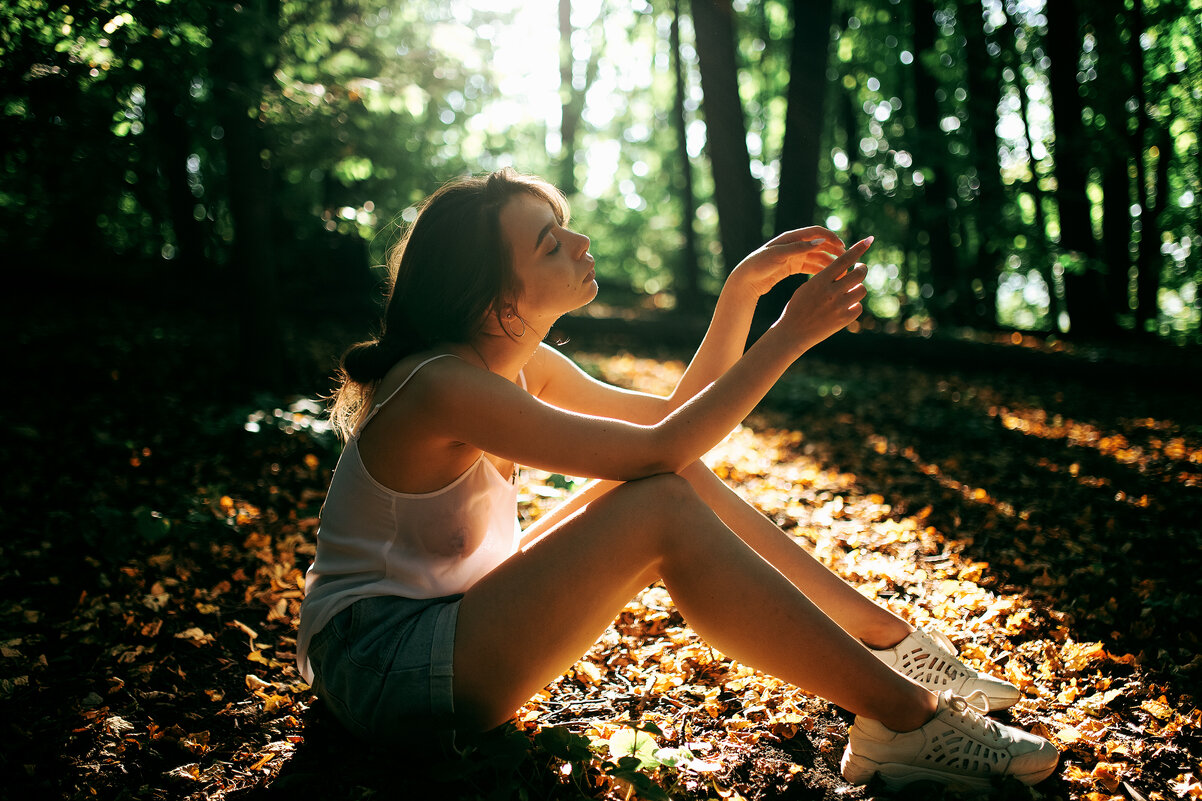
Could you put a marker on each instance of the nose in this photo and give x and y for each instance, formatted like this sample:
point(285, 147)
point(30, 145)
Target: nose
point(582, 244)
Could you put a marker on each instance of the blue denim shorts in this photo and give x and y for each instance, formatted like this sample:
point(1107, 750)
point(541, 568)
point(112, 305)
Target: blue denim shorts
point(384, 667)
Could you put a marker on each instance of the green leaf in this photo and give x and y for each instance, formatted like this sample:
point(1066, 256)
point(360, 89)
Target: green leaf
point(673, 757)
point(644, 785)
point(627, 743)
point(561, 743)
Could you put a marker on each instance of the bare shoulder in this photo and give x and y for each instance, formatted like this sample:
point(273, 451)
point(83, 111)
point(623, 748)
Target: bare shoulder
point(409, 445)
point(419, 374)
point(416, 394)
point(545, 366)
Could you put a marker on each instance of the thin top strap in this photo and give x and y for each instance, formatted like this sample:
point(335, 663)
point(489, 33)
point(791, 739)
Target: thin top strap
point(376, 407)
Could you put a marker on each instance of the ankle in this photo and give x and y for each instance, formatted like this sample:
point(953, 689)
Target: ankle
point(886, 634)
point(913, 715)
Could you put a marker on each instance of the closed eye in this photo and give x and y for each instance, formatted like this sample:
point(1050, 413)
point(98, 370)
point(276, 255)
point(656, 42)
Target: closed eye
point(555, 249)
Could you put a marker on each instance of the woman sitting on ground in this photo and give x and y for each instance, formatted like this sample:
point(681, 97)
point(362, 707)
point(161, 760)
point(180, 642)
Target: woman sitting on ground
point(428, 608)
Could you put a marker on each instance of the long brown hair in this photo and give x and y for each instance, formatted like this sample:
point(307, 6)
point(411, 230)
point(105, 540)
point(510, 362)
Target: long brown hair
point(450, 269)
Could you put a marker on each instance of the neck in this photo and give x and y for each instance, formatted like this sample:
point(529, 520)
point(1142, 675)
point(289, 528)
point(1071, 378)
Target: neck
point(502, 354)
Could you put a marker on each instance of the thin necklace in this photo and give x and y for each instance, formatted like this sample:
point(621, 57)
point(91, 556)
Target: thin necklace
point(481, 358)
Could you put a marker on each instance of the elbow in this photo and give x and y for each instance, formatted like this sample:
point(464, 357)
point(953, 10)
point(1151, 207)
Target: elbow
point(665, 454)
point(643, 468)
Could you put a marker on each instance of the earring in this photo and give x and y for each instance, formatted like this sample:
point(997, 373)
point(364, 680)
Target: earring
point(509, 316)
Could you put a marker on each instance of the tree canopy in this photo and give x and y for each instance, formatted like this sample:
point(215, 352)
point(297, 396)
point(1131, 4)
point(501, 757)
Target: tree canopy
point(1021, 165)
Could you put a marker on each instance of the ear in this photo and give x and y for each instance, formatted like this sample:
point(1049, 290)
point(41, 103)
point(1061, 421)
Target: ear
point(507, 309)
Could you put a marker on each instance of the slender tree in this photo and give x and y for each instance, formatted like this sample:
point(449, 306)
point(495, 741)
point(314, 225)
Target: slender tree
point(850, 120)
point(1148, 198)
point(933, 215)
point(1112, 150)
point(688, 274)
point(805, 125)
point(736, 192)
point(242, 61)
point(1084, 288)
point(990, 203)
point(801, 151)
point(170, 144)
point(572, 95)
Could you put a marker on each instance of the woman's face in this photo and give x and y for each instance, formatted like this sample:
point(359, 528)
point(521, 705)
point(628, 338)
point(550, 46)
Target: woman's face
point(552, 263)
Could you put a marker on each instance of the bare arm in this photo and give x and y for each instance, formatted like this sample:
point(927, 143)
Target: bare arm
point(492, 414)
point(805, 250)
point(574, 503)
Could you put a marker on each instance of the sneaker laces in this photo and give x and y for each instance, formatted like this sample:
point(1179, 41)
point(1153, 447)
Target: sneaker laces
point(968, 709)
point(978, 700)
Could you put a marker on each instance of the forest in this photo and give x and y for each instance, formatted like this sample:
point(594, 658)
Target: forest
point(196, 201)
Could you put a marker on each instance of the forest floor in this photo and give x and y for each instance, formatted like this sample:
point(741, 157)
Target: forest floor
point(1041, 510)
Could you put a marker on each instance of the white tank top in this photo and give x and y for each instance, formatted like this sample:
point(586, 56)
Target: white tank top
point(376, 541)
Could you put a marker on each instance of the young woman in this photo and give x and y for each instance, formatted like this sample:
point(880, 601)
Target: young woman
point(427, 609)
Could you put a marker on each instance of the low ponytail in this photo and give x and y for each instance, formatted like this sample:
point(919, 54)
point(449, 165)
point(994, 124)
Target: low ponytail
point(360, 370)
point(366, 362)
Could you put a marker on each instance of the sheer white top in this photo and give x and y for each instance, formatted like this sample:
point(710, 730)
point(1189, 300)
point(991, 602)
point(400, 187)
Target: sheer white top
point(376, 541)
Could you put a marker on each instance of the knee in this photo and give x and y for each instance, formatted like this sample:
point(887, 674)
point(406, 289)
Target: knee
point(662, 490)
point(664, 501)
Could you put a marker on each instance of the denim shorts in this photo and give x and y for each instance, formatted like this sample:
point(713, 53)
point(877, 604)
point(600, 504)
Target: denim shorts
point(383, 666)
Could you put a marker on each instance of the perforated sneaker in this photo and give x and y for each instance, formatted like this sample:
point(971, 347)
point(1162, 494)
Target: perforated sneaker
point(929, 658)
point(958, 747)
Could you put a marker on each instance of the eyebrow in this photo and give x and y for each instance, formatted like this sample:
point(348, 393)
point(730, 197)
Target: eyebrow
point(542, 234)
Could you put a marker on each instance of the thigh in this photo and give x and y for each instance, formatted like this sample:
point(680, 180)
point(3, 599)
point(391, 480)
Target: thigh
point(530, 619)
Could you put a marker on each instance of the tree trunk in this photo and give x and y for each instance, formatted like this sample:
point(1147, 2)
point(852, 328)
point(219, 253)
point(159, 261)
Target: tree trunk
point(243, 55)
point(172, 143)
point(934, 212)
point(1084, 288)
point(1150, 259)
point(688, 273)
point(801, 152)
point(1112, 148)
point(1147, 258)
point(797, 197)
point(850, 114)
point(571, 98)
point(984, 97)
point(736, 192)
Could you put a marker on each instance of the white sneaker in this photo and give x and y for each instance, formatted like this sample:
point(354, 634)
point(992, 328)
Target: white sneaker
point(929, 658)
point(958, 747)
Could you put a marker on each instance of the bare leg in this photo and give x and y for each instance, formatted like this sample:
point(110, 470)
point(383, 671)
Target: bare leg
point(875, 626)
point(530, 619)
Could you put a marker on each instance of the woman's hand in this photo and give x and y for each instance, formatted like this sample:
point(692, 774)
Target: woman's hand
point(827, 302)
point(801, 251)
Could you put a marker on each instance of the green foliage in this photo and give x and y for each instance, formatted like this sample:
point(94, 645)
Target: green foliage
point(119, 161)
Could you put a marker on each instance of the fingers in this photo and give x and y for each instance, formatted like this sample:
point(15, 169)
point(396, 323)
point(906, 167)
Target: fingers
point(857, 292)
point(812, 235)
point(854, 277)
point(802, 250)
point(846, 263)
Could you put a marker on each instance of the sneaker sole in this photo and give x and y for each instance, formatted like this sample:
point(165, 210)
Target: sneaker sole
point(860, 770)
